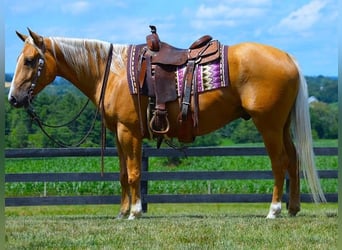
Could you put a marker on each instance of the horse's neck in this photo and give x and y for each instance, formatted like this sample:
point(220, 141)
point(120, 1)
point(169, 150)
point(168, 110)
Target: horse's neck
point(81, 62)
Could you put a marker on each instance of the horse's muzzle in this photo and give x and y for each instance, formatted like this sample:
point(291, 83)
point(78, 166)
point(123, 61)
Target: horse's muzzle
point(15, 102)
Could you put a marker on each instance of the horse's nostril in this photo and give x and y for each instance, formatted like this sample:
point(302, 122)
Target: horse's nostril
point(13, 100)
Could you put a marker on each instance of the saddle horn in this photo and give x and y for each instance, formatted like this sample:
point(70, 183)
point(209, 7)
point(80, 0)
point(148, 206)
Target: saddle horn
point(153, 29)
point(152, 40)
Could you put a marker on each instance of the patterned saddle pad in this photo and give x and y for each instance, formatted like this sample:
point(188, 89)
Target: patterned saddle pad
point(209, 76)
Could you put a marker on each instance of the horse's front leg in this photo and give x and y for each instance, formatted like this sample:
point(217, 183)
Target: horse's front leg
point(125, 192)
point(129, 149)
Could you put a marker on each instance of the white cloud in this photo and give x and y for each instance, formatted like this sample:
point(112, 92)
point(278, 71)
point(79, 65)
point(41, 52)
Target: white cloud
point(67, 6)
point(76, 8)
point(21, 8)
point(129, 31)
point(228, 13)
point(302, 19)
point(239, 2)
point(210, 12)
point(209, 24)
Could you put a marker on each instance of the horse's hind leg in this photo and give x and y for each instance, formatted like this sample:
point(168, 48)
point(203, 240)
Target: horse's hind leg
point(293, 172)
point(272, 133)
point(283, 158)
point(279, 160)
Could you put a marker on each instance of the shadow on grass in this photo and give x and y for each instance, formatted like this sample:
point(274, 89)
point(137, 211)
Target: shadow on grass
point(330, 214)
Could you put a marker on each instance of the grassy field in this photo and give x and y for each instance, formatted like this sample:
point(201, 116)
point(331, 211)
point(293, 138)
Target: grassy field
point(171, 226)
point(165, 226)
point(92, 164)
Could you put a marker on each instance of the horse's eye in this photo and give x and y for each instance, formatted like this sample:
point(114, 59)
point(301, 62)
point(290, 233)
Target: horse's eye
point(30, 62)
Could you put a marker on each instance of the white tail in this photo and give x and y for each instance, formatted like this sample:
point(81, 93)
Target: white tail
point(301, 129)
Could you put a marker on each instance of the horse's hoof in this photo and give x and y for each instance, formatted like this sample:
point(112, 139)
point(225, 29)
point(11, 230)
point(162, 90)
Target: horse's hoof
point(275, 210)
point(272, 215)
point(293, 211)
point(134, 216)
point(120, 216)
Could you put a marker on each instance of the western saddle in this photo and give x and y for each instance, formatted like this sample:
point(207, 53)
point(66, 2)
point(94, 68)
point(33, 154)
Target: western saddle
point(158, 62)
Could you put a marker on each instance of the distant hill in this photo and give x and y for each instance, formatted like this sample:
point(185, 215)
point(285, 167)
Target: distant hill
point(59, 86)
point(8, 77)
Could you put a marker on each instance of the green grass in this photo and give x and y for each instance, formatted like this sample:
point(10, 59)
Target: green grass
point(171, 226)
point(316, 143)
point(165, 226)
point(92, 164)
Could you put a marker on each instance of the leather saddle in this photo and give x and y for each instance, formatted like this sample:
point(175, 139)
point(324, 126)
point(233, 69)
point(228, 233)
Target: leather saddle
point(158, 62)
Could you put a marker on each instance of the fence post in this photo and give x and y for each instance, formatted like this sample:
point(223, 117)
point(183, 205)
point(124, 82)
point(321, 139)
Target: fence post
point(287, 188)
point(144, 183)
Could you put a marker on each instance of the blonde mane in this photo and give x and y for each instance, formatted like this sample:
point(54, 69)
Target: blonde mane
point(79, 52)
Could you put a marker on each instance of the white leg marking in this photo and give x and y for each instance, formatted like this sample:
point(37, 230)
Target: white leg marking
point(275, 210)
point(136, 210)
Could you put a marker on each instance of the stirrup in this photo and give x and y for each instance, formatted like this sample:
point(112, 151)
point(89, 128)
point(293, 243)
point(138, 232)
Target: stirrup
point(159, 123)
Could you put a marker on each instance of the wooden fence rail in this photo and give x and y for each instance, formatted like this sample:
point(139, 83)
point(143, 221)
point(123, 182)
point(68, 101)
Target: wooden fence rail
point(151, 176)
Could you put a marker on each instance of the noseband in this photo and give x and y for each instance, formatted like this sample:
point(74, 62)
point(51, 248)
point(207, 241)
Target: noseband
point(30, 110)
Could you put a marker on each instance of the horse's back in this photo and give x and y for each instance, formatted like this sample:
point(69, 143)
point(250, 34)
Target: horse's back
point(259, 60)
point(263, 76)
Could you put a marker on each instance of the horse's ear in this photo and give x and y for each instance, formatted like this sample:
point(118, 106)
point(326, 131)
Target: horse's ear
point(21, 36)
point(38, 40)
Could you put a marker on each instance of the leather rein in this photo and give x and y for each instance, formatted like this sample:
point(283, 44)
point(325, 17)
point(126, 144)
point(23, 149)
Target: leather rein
point(100, 108)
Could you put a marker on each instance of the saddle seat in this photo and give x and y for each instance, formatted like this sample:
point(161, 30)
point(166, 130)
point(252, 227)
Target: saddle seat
point(164, 53)
point(169, 55)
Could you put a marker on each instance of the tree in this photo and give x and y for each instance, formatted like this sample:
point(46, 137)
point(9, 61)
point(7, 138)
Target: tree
point(19, 133)
point(324, 120)
point(61, 101)
point(245, 132)
point(323, 88)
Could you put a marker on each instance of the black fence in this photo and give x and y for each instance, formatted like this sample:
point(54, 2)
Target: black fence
point(152, 176)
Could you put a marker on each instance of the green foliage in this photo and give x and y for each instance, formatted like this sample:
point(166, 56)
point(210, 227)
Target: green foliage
point(58, 104)
point(61, 101)
point(212, 139)
point(323, 88)
point(245, 132)
point(324, 120)
point(156, 164)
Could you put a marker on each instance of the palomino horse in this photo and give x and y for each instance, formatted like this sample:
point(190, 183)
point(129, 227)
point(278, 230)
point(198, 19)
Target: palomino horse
point(265, 84)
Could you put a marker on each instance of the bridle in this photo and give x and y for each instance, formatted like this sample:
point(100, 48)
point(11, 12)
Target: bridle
point(100, 106)
point(35, 117)
point(41, 63)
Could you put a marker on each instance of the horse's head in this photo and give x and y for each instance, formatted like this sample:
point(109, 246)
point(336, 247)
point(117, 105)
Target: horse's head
point(36, 67)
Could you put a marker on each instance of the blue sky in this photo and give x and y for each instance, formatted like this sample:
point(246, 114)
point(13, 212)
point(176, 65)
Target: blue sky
point(306, 29)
